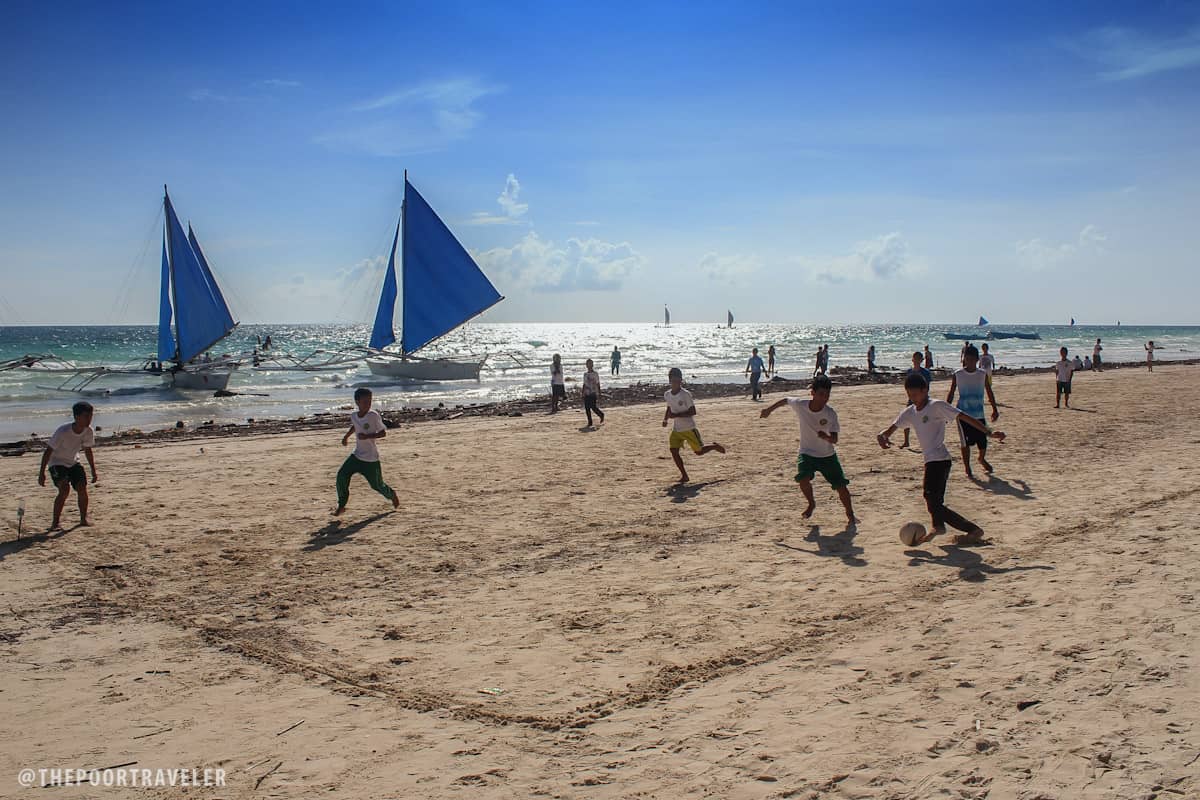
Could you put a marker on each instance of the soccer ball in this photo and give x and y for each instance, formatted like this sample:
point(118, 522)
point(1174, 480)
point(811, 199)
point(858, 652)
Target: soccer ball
point(911, 533)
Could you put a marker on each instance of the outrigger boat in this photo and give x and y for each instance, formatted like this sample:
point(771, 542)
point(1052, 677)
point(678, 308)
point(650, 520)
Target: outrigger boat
point(443, 288)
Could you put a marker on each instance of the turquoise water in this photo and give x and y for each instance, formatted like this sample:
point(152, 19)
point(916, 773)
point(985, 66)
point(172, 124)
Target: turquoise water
point(518, 363)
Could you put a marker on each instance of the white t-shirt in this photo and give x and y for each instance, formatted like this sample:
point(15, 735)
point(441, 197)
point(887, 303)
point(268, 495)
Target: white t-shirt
point(987, 363)
point(556, 376)
point(66, 444)
point(591, 382)
point(365, 449)
point(930, 425)
point(678, 403)
point(1063, 371)
point(1078, 362)
point(812, 423)
point(971, 392)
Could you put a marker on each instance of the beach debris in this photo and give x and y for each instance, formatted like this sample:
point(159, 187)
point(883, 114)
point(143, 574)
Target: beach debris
point(153, 733)
point(267, 775)
point(108, 566)
point(1024, 704)
point(494, 691)
point(290, 727)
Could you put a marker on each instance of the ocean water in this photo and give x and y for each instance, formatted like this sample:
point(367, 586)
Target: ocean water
point(519, 356)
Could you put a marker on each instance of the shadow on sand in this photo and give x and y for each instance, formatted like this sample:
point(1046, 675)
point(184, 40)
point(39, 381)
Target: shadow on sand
point(11, 548)
point(969, 563)
point(682, 492)
point(997, 485)
point(337, 532)
point(840, 545)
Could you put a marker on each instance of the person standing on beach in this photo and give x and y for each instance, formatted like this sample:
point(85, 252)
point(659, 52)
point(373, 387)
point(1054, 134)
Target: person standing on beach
point(614, 362)
point(1150, 348)
point(591, 393)
point(962, 354)
point(818, 439)
point(682, 409)
point(558, 384)
point(62, 456)
point(754, 368)
point(929, 418)
point(367, 426)
point(1064, 370)
point(928, 359)
point(971, 384)
point(987, 363)
point(770, 360)
point(871, 360)
point(917, 369)
point(1096, 356)
point(818, 367)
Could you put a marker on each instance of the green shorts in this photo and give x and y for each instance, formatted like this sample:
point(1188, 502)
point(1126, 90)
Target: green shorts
point(807, 466)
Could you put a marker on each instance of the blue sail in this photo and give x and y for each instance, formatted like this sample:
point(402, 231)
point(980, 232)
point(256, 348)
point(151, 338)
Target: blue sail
point(166, 340)
point(217, 298)
point(983, 321)
point(443, 286)
point(201, 316)
point(382, 334)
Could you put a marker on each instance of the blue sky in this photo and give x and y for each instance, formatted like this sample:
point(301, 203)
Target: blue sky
point(797, 162)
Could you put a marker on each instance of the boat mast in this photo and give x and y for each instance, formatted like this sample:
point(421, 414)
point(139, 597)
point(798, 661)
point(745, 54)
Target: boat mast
point(403, 260)
point(171, 267)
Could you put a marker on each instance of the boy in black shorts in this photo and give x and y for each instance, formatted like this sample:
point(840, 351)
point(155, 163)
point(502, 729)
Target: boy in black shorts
point(62, 455)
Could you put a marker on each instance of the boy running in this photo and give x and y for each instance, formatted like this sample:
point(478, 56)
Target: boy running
point(971, 383)
point(368, 426)
point(682, 409)
point(917, 369)
point(818, 436)
point(591, 393)
point(1064, 370)
point(929, 418)
point(62, 455)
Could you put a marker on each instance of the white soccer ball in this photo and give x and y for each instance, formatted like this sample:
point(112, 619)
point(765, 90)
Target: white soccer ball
point(911, 533)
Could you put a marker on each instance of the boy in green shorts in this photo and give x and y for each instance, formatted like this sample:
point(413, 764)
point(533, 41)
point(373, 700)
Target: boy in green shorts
point(682, 409)
point(368, 426)
point(818, 436)
point(62, 456)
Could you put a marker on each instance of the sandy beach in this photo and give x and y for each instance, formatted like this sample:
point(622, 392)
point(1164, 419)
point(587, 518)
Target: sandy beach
point(547, 616)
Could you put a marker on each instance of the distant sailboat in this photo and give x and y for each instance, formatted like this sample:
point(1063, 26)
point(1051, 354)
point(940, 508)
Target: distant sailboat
point(728, 319)
point(442, 288)
point(1072, 322)
point(983, 321)
point(666, 316)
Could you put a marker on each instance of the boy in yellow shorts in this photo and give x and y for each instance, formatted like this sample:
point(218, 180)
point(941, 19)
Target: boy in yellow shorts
point(682, 408)
point(818, 435)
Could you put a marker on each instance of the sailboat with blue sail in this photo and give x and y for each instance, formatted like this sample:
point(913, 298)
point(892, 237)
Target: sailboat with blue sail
point(440, 288)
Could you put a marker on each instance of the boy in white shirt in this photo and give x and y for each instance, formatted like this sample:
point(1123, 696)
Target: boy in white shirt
point(368, 426)
point(62, 455)
point(682, 408)
point(1064, 369)
point(987, 362)
point(972, 385)
point(591, 393)
point(929, 418)
point(818, 435)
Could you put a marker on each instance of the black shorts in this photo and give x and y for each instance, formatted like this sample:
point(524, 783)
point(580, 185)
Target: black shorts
point(558, 390)
point(1064, 387)
point(971, 436)
point(73, 474)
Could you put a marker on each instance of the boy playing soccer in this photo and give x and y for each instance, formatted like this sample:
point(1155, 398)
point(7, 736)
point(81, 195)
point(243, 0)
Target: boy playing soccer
point(682, 409)
point(368, 426)
point(62, 454)
point(591, 392)
point(929, 418)
point(972, 384)
point(818, 436)
point(1064, 370)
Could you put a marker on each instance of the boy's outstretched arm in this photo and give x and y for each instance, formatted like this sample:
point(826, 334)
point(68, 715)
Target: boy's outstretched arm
point(766, 412)
point(953, 387)
point(884, 437)
point(87, 451)
point(977, 425)
point(42, 470)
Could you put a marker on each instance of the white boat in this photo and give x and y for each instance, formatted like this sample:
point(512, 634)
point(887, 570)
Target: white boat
point(442, 288)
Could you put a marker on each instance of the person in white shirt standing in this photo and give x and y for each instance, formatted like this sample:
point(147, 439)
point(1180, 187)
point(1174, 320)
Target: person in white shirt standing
point(818, 437)
point(987, 363)
point(591, 393)
point(929, 419)
point(1096, 357)
point(62, 456)
point(682, 409)
point(972, 385)
point(1064, 370)
point(558, 384)
point(368, 427)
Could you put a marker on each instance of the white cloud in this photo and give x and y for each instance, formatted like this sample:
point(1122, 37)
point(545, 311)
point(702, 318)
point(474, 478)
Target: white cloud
point(579, 265)
point(881, 258)
point(512, 211)
point(1037, 254)
point(1127, 54)
point(419, 119)
point(727, 269)
point(276, 83)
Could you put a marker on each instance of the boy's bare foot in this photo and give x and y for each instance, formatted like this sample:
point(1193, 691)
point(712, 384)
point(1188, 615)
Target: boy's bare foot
point(935, 531)
point(969, 538)
point(905, 444)
point(682, 479)
point(808, 512)
point(337, 512)
point(986, 466)
point(55, 526)
point(395, 499)
point(1056, 405)
point(84, 522)
point(851, 519)
point(970, 475)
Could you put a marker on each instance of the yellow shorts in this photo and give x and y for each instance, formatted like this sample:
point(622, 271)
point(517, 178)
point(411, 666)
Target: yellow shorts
point(689, 437)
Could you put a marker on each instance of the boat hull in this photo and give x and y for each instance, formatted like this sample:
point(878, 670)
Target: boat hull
point(425, 370)
point(207, 380)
